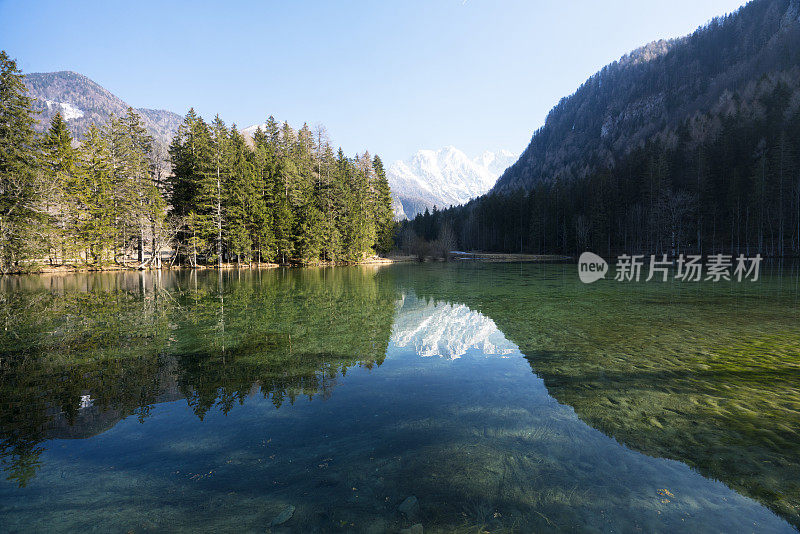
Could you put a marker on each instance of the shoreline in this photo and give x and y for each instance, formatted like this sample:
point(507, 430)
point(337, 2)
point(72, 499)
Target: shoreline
point(499, 257)
point(455, 257)
point(374, 260)
point(68, 269)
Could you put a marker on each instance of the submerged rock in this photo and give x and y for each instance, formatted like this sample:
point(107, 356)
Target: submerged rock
point(413, 529)
point(409, 507)
point(285, 515)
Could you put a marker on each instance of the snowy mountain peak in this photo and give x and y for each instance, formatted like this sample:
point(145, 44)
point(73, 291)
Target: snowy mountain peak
point(443, 178)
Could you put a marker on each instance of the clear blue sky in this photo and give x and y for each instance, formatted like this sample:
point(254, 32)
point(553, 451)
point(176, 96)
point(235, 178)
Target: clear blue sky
point(388, 76)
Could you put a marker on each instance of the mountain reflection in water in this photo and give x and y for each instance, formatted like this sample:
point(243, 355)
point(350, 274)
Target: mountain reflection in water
point(446, 330)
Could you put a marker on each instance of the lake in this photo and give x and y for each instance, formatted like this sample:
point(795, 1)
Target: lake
point(468, 397)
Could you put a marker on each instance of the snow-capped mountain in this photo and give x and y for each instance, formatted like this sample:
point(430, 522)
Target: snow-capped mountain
point(446, 330)
point(443, 178)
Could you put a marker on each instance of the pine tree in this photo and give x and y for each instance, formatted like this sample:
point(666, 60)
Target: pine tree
point(212, 180)
point(384, 215)
point(92, 193)
point(355, 224)
point(362, 197)
point(137, 200)
point(59, 161)
point(241, 199)
point(19, 216)
point(190, 153)
point(272, 132)
point(329, 204)
point(262, 218)
point(283, 216)
point(286, 144)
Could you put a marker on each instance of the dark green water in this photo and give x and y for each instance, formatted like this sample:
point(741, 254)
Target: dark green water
point(504, 397)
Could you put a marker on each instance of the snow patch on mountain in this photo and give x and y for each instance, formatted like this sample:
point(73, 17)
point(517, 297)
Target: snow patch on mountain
point(443, 178)
point(68, 111)
point(446, 330)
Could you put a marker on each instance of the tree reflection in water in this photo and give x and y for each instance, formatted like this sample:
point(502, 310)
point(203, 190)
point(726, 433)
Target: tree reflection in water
point(81, 352)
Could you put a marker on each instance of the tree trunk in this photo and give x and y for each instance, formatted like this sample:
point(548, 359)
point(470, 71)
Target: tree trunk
point(140, 252)
point(219, 219)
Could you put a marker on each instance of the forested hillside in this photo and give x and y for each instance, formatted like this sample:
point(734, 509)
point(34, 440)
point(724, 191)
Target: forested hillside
point(690, 144)
point(103, 201)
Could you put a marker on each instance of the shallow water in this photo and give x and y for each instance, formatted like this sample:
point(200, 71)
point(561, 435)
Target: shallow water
point(502, 397)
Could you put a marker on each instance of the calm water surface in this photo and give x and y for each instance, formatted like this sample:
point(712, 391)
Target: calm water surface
point(501, 397)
